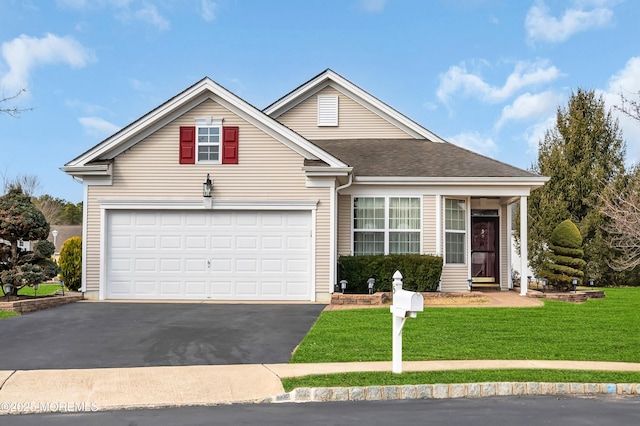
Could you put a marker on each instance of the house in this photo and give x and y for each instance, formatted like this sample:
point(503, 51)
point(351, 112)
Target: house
point(326, 170)
point(59, 234)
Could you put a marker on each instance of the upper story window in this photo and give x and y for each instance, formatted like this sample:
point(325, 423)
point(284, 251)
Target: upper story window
point(455, 227)
point(386, 225)
point(208, 137)
point(327, 110)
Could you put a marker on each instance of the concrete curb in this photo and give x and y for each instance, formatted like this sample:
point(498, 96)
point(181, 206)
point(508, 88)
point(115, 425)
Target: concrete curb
point(456, 390)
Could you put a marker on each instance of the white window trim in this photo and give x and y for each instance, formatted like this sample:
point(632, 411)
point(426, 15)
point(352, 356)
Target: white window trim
point(467, 219)
point(327, 110)
point(209, 122)
point(386, 231)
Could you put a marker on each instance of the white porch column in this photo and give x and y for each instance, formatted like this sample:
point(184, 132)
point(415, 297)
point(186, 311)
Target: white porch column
point(524, 253)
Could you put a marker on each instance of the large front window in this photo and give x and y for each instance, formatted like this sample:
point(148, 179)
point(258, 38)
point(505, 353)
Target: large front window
point(386, 225)
point(455, 225)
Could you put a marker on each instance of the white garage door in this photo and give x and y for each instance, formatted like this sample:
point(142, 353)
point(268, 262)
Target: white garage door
point(209, 255)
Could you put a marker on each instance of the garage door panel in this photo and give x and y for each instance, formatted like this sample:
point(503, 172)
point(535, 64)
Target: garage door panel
point(145, 288)
point(209, 255)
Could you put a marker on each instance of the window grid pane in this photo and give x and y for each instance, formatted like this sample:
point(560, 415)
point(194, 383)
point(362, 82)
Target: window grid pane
point(404, 213)
point(455, 247)
point(404, 242)
point(455, 215)
point(368, 243)
point(368, 213)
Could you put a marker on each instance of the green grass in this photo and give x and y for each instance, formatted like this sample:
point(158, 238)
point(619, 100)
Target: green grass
point(458, 376)
point(4, 314)
point(43, 290)
point(597, 330)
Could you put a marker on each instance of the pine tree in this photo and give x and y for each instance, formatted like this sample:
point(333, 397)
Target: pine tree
point(581, 155)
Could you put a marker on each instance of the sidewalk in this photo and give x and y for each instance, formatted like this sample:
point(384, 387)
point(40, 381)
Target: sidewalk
point(26, 391)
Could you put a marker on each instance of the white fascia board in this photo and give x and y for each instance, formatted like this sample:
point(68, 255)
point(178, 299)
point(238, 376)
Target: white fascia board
point(136, 127)
point(326, 171)
point(197, 204)
point(330, 78)
point(532, 182)
point(89, 170)
point(190, 98)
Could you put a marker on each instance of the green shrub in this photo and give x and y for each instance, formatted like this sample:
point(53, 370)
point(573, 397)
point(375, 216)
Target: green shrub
point(566, 260)
point(71, 263)
point(419, 272)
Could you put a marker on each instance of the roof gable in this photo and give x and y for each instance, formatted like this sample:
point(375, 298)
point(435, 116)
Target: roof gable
point(344, 86)
point(180, 104)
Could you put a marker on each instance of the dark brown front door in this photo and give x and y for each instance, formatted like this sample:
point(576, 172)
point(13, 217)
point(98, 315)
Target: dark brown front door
point(484, 249)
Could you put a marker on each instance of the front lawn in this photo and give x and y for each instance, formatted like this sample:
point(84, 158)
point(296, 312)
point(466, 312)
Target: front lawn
point(598, 330)
point(458, 376)
point(43, 290)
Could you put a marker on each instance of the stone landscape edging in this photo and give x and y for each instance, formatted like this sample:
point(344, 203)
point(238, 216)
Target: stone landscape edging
point(31, 305)
point(455, 390)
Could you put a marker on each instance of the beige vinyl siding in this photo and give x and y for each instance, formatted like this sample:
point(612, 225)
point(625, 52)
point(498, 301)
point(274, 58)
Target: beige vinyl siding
point(454, 278)
point(344, 225)
point(354, 120)
point(267, 170)
point(429, 224)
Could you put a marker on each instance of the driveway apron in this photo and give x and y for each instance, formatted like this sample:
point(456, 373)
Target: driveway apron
point(107, 335)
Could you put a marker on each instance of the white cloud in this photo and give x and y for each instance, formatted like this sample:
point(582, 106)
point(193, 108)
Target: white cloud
point(458, 79)
point(626, 82)
point(149, 14)
point(98, 127)
point(473, 141)
point(24, 53)
point(528, 106)
point(535, 133)
point(541, 26)
point(373, 6)
point(208, 10)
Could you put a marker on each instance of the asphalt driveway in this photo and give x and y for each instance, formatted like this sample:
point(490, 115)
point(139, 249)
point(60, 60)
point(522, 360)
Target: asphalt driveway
point(102, 335)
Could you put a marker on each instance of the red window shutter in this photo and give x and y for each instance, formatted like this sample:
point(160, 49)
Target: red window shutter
point(188, 145)
point(230, 145)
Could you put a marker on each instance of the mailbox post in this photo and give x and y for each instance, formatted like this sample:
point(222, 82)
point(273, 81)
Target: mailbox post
point(405, 304)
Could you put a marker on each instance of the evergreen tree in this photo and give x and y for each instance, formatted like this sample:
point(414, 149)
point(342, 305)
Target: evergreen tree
point(20, 220)
point(581, 155)
point(565, 261)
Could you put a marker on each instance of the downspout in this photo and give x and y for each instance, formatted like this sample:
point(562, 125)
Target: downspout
point(334, 232)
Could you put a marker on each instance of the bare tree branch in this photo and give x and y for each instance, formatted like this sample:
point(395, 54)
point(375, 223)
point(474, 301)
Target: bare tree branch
point(13, 111)
point(621, 205)
point(629, 107)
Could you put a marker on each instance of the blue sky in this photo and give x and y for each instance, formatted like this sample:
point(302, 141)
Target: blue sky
point(484, 74)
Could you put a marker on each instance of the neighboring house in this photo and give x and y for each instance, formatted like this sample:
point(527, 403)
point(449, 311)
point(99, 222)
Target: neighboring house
point(58, 234)
point(327, 170)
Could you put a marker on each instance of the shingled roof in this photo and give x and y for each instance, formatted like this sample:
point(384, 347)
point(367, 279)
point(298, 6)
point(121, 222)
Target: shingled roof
point(416, 158)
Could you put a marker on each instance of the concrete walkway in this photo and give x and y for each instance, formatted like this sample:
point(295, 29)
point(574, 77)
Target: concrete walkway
point(28, 391)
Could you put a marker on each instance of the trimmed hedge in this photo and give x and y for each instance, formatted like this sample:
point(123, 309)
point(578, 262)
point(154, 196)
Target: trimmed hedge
point(71, 263)
point(419, 272)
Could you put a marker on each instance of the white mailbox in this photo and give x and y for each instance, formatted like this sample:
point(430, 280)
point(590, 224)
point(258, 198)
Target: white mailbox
point(407, 303)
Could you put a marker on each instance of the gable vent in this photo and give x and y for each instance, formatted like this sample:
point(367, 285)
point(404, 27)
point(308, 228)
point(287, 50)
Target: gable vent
point(327, 110)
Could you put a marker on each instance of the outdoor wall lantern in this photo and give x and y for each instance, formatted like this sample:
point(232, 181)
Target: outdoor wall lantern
point(371, 282)
point(7, 290)
point(574, 283)
point(470, 283)
point(207, 186)
point(343, 285)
